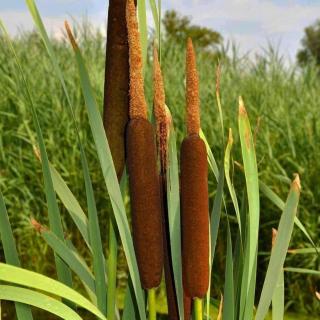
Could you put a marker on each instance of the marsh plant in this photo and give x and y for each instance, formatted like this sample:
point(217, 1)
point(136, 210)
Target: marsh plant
point(168, 225)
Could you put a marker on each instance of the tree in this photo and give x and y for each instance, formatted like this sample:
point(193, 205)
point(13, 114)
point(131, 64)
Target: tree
point(179, 28)
point(311, 45)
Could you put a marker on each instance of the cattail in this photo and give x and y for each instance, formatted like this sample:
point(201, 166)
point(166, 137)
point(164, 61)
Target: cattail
point(194, 191)
point(116, 87)
point(163, 122)
point(142, 168)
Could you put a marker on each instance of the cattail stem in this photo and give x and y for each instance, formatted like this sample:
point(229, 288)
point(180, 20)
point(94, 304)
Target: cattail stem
point(152, 304)
point(198, 308)
point(142, 168)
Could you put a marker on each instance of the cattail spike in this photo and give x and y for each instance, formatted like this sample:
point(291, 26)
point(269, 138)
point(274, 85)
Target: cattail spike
point(192, 91)
point(161, 111)
point(138, 106)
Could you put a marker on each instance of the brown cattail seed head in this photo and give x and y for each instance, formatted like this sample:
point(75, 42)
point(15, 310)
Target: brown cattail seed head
point(162, 113)
point(195, 216)
point(192, 93)
point(116, 88)
point(145, 201)
point(138, 106)
point(187, 305)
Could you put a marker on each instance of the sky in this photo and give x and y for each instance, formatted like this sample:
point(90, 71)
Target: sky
point(251, 24)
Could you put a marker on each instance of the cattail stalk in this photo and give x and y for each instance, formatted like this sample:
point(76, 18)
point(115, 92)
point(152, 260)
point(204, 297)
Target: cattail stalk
point(116, 87)
point(163, 122)
point(142, 168)
point(194, 192)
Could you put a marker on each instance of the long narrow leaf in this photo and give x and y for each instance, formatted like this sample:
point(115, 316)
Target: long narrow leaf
point(228, 309)
point(174, 218)
point(302, 270)
point(280, 204)
point(252, 184)
point(70, 258)
point(229, 183)
point(11, 254)
point(280, 249)
point(96, 244)
point(143, 28)
point(38, 281)
point(38, 300)
point(71, 204)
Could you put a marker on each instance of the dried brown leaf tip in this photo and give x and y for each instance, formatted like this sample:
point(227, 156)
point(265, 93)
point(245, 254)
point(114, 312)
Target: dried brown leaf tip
point(192, 91)
point(70, 35)
point(296, 185)
point(274, 236)
point(162, 113)
point(138, 106)
point(242, 109)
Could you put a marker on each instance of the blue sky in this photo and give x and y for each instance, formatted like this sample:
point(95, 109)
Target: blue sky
point(251, 23)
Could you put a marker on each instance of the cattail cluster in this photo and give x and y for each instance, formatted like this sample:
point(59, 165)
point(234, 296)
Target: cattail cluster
point(194, 191)
point(142, 168)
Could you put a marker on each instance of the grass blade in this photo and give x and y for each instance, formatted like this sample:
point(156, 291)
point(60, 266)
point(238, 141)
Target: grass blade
point(69, 257)
point(278, 299)
point(129, 312)
point(280, 249)
point(143, 28)
point(11, 255)
point(174, 217)
point(229, 183)
point(280, 204)
point(38, 281)
point(211, 160)
point(71, 204)
point(156, 19)
point(216, 214)
point(252, 184)
point(96, 244)
point(302, 270)
point(38, 300)
point(228, 309)
point(110, 176)
point(112, 270)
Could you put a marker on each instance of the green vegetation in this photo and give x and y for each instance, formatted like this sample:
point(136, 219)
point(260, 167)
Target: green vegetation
point(282, 105)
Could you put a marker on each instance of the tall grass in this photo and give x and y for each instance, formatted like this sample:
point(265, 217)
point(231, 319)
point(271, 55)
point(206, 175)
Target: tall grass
point(286, 140)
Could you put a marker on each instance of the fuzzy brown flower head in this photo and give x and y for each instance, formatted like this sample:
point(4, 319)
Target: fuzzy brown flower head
point(138, 105)
point(192, 91)
point(161, 111)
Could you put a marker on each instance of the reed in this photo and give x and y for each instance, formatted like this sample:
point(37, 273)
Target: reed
point(142, 168)
point(194, 191)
